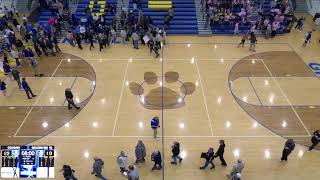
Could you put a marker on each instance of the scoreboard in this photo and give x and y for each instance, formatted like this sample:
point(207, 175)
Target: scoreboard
point(27, 161)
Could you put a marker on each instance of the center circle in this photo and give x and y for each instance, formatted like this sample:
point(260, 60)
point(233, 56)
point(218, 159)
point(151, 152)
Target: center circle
point(162, 91)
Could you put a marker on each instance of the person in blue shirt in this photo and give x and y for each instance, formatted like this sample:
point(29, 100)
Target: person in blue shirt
point(27, 88)
point(155, 124)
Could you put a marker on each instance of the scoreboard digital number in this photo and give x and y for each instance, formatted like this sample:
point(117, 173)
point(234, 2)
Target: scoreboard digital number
point(27, 161)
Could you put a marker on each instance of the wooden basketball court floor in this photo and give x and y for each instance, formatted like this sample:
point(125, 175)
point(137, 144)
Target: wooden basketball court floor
point(254, 101)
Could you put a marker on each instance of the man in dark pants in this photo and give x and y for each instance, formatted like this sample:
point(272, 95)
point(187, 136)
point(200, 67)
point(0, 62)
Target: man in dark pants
point(78, 40)
point(97, 168)
point(288, 148)
point(16, 76)
point(156, 158)
point(176, 152)
point(27, 88)
point(90, 37)
point(315, 139)
point(69, 97)
point(209, 159)
point(220, 153)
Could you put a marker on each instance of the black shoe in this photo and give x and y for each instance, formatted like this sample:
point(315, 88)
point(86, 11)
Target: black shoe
point(77, 107)
point(173, 163)
point(202, 168)
point(180, 160)
point(34, 95)
point(212, 167)
point(224, 165)
point(29, 98)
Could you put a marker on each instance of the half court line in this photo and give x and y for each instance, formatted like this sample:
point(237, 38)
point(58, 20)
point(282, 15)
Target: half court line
point(204, 97)
point(120, 98)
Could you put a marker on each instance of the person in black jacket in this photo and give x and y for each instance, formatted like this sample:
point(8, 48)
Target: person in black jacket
point(209, 159)
point(315, 139)
point(69, 97)
point(3, 88)
point(175, 152)
point(156, 158)
point(68, 172)
point(288, 148)
point(220, 153)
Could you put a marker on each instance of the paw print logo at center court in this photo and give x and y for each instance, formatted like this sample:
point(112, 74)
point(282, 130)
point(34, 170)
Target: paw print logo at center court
point(157, 92)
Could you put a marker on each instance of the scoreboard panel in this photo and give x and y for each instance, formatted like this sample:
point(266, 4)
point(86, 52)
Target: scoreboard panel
point(27, 161)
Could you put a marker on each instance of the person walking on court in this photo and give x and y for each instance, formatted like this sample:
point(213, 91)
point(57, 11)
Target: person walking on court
point(140, 152)
point(68, 173)
point(3, 87)
point(253, 42)
point(78, 40)
point(33, 62)
point(307, 39)
point(300, 24)
point(208, 156)
point(243, 40)
point(133, 173)
point(156, 158)
point(16, 76)
point(135, 38)
point(288, 148)
point(175, 152)
point(315, 139)
point(155, 124)
point(236, 169)
point(122, 161)
point(27, 88)
point(97, 168)
point(220, 153)
point(15, 55)
point(69, 98)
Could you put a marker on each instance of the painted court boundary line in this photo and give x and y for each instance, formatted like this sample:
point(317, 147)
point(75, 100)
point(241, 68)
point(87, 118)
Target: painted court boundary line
point(96, 136)
point(275, 81)
point(41, 92)
point(120, 98)
point(204, 97)
point(168, 59)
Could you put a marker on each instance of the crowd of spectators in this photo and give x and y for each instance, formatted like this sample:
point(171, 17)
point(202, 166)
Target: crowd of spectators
point(236, 13)
point(227, 11)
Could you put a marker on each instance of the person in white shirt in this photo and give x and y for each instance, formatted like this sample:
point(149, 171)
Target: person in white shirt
point(122, 161)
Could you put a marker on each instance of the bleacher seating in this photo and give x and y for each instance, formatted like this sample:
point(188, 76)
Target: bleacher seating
point(229, 29)
point(184, 20)
point(96, 8)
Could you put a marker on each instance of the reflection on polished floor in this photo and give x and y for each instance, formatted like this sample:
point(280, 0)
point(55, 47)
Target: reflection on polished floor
point(254, 101)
